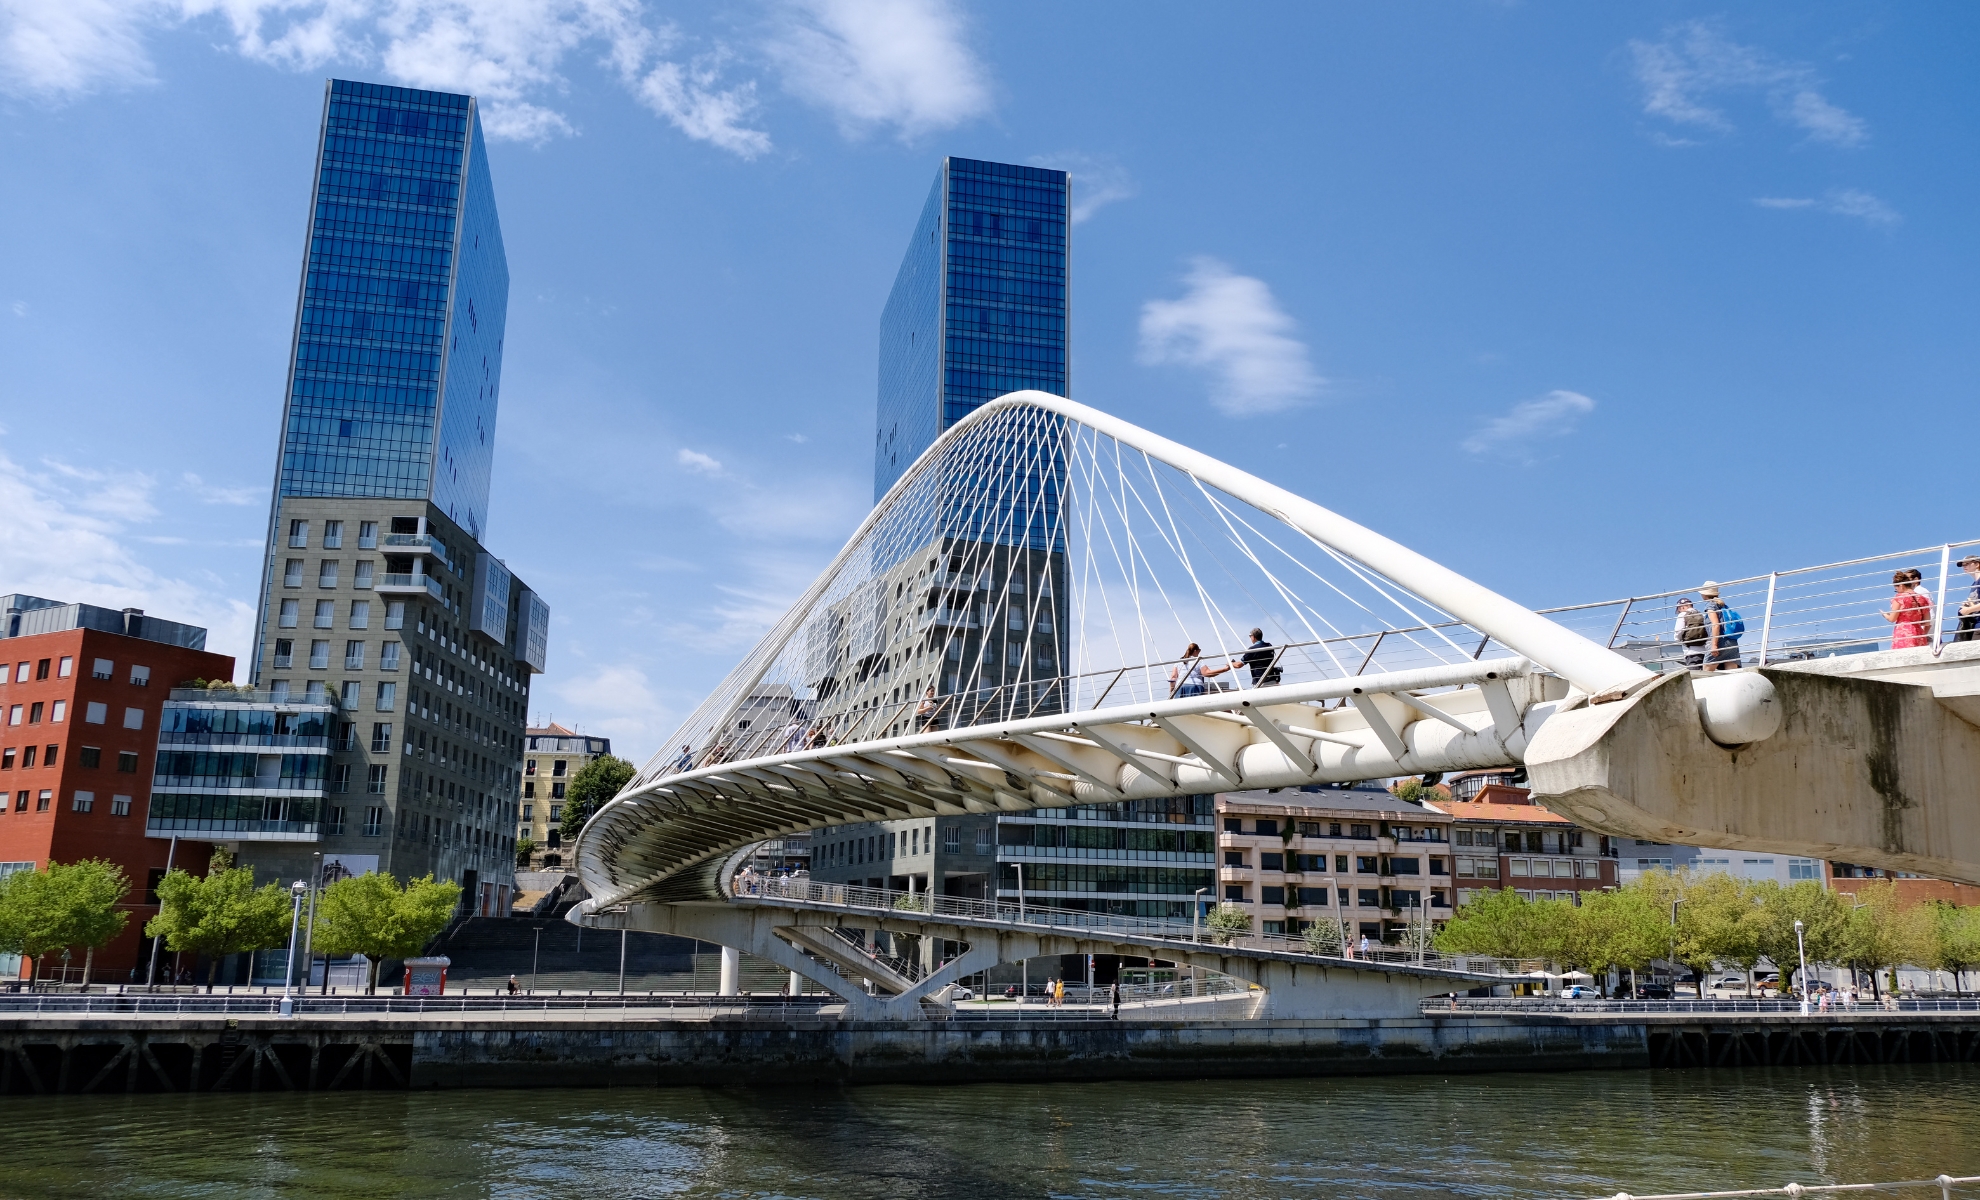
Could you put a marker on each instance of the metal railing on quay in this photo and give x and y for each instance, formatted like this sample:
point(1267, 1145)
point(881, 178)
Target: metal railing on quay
point(887, 902)
point(1556, 1004)
point(269, 1004)
point(1944, 1184)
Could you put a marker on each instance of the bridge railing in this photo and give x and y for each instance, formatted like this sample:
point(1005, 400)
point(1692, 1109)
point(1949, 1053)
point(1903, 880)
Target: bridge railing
point(858, 900)
point(1555, 1004)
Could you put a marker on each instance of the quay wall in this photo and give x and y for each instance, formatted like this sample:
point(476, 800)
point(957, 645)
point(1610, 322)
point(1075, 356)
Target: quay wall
point(142, 1053)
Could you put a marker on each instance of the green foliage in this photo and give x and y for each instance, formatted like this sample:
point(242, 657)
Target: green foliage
point(221, 914)
point(373, 916)
point(525, 847)
point(1323, 937)
point(915, 903)
point(596, 782)
point(1413, 791)
point(68, 904)
point(1824, 916)
point(1954, 934)
point(1227, 921)
point(1495, 924)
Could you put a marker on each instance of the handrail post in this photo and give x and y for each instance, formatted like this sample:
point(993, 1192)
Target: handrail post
point(1939, 610)
point(1767, 620)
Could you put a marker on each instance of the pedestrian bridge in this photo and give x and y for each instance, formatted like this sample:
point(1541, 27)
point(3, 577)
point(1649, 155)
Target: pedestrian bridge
point(1054, 607)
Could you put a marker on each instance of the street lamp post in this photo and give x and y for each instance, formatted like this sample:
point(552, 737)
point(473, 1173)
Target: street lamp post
point(535, 954)
point(151, 972)
point(309, 930)
point(297, 891)
point(1801, 947)
point(1673, 945)
point(1196, 915)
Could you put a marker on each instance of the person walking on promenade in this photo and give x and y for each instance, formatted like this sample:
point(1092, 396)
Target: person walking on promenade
point(1722, 642)
point(1969, 608)
point(1691, 631)
point(514, 985)
point(1261, 658)
point(1910, 613)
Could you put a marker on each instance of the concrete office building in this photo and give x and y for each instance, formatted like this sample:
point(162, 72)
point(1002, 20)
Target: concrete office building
point(83, 693)
point(377, 590)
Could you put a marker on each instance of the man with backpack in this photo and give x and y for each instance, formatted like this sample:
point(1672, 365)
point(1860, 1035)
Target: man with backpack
point(1692, 631)
point(1722, 646)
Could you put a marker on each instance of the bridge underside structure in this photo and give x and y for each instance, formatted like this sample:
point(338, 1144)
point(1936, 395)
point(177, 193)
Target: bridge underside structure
point(1000, 635)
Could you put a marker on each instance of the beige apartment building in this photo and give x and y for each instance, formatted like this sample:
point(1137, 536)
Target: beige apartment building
point(1359, 855)
point(552, 755)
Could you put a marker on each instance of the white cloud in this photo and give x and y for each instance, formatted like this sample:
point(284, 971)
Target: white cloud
point(1096, 181)
point(696, 461)
point(1232, 326)
point(508, 53)
point(1841, 202)
point(1682, 74)
point(216, 494)
point(871, 63)
point(1514, 434)
point(620, 702)
point(799, 438)
point(65, 538)
point(20, 308)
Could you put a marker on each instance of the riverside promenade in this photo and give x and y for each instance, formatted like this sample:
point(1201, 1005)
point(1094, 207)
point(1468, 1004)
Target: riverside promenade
point(181, 1044)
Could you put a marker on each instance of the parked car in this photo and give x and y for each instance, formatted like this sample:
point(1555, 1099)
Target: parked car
point(1579, 991)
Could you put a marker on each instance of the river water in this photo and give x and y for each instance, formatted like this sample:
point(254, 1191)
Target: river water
point(1541, 1135)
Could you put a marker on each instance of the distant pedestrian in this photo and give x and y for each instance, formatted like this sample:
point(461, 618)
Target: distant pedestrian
point(514, 986)
point(1969, 609)
point(1722, 641)
point(1261, 658)
point(1910, 613)
point(924, 712)
point(1364, 945)
point(1692, 631)
point(685, 761)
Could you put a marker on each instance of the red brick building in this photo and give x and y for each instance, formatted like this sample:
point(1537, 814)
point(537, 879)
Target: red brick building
point(79, 709)
point(1501, 839)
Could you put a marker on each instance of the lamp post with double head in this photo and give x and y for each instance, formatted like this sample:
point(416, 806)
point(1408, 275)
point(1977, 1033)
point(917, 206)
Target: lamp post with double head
point(1801, 947)
point(297, 891)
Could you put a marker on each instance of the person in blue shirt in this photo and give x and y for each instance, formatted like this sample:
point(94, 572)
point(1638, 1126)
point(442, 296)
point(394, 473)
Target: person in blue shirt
point(1969, 609)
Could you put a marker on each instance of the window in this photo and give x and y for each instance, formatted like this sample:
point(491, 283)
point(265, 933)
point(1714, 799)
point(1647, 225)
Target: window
point(388, 694)
point(1361, 831)
point(951, 839)
point(315, 693)
point(388, 656)
point(556, 791)
point(374, 821)
point(326, 573)
point(1366, 864)
point(1313, 895)
point(1463, 837)
point(59, 711)
point(1267, 827)
point(381, 737)
point(1802, 868)
point(134, 718)
point(290, 611)
point(335, 825)
point(278, 690)
point(7, 758)
point(557, 769)
point(63, 668)
point(1234, 893)
point(1368, 897)
point(141, 676)
point(333, 535)
point(27, 756)
point(528, 809)
point(529, 790)
point(292, 573)
point(360, 614)
point(41, 668)
point(120, 806)
point(361, 576)
point(14, 713)
point(21, 674)
point(1271, 862)
point(374, 779)
point(1272, 895)
point(395, 614)
point(83, 802)
point(298, 534)
point(127, 762)
point(326, 614)
point(367, 535)
point(1518, 867)
point(354, 655)
point(1233, 825)
point(319, 654)
point(529, 765)
point(43, 799)
point(103, 668)
point(285, 653)
point(1234, 858)
point(48, 759)
point(34, 712)
point(340, 778)
point(350, 696)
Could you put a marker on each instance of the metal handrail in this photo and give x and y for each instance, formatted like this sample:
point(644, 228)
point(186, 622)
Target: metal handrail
point(1945, 1184)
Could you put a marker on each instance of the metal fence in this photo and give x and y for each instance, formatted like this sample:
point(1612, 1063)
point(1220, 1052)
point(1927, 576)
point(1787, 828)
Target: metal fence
point(1944, 1184)
point(1556, 1004)
point(145, 1004)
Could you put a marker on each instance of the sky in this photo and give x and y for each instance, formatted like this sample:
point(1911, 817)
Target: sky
point(1583, 301)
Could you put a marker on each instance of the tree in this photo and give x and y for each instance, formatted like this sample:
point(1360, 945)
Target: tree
point(1955, 941)
point(1712, 925)
point(220, 914)
point(68, 904)
point(1227, 921)
point(1323, 937)
point(1822, 913)
point(525, 848)
point(1878, 934)
point(1495, 924)
point(596, 782)
point(373, 916)
point(1621, 929)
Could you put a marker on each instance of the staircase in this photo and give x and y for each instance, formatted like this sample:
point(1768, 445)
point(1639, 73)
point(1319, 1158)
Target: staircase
point(485, 951)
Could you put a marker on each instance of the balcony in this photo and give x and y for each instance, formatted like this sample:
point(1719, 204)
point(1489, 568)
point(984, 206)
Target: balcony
point(408, 584)
point(418, 543)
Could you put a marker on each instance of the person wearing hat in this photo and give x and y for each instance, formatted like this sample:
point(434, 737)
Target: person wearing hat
point(1691, 631)
point(1969, 609)
point(1725, 625)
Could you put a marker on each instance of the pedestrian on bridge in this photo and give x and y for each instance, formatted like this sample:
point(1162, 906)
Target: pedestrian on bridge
point(1722, 645)
point(1692, 632)
point(1969, 609)
point(1188, 677)
point(1910, 613)
point(1262, 659)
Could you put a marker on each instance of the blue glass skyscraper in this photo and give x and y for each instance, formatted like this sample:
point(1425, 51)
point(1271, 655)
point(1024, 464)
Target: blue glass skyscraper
point(980, 306)
point(378, 597)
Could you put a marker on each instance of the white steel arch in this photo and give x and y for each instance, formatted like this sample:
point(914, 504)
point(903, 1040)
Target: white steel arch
point(1035, 491)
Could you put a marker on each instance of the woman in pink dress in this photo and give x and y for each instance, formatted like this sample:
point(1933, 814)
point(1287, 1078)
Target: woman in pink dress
point(1910, 613)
